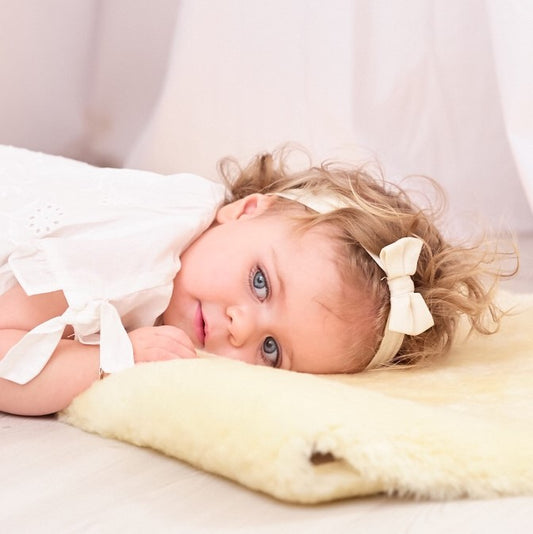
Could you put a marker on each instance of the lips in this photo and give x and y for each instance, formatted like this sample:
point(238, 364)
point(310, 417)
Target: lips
point(199, 325)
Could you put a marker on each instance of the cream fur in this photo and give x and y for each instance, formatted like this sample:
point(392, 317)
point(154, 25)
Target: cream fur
point(460, 427)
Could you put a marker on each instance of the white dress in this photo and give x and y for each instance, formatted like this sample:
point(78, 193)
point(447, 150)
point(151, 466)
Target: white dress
point(110, 239)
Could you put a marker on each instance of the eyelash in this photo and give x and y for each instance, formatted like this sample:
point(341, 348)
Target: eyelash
point(253, 273)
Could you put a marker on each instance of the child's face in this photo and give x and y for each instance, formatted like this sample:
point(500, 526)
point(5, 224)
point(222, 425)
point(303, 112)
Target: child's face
point(252, 289)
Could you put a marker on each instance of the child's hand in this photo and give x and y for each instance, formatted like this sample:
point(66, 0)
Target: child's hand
point(155, 343)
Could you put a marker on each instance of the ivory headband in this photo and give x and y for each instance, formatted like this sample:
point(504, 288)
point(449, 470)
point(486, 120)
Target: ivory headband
point(409, 313)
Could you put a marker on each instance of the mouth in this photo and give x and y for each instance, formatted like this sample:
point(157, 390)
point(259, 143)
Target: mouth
point(199, 325)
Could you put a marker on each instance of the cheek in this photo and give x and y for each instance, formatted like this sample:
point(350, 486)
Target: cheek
point(208, 280)
point(214, 265)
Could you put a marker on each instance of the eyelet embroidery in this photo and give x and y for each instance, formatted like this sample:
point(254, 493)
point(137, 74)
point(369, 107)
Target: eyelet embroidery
point(44, 219)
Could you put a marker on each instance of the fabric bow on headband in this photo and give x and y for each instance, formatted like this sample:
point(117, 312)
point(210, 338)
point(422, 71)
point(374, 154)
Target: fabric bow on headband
point(409, 313)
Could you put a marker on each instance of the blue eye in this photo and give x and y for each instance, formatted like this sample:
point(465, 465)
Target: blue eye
point(270, 352)
point(259, 284)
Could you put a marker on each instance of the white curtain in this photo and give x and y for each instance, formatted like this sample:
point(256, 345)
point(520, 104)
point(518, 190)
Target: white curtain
point(512, 37)
point(436, 87)
point(80, 78)
point(417, 83)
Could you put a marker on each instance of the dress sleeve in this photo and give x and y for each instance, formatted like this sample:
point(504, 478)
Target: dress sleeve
point(110, 239)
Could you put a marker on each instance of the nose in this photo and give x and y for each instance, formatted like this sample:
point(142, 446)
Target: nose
point(241, 324)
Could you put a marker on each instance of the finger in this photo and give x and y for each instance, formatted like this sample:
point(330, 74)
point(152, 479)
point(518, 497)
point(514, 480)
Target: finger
point(177, 344)
point(159, 343)
point(163, 354)
point(176, 334)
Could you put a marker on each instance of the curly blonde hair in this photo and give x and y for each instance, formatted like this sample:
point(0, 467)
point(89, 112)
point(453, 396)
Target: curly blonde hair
point(455, 280)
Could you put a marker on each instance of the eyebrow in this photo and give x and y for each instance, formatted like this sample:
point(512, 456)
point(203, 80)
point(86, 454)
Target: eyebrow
point(280, 283)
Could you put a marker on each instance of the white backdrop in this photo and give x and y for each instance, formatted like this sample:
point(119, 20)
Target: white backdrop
point(429, 86)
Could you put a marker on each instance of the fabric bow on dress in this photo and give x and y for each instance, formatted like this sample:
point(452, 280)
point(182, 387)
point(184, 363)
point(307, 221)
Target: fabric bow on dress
point(116, 352)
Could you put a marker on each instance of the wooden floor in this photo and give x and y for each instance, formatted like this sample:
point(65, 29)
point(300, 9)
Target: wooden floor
point(58, 479)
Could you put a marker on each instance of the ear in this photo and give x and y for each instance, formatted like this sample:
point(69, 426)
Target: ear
point(247, 207)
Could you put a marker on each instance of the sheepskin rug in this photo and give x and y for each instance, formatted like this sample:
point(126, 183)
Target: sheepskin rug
point(460, 427)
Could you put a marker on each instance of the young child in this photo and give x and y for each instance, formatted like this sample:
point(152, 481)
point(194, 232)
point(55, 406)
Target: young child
point(325, 270)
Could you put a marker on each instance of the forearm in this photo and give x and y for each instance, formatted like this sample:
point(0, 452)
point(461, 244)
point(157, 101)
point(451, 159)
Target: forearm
point(72, 368)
